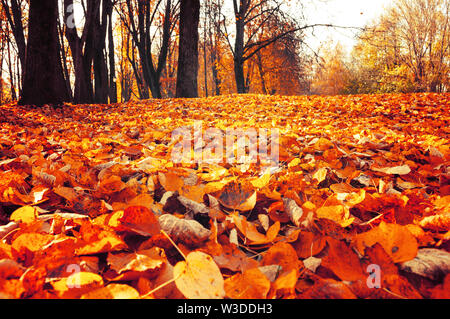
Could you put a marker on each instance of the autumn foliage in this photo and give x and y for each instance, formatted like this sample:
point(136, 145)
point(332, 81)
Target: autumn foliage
point(91, 205)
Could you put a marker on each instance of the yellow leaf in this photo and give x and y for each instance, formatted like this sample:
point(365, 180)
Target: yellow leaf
point(25, 214)
point(199, 277)
point(338, 213)
point(262, 181)
point(113, 291)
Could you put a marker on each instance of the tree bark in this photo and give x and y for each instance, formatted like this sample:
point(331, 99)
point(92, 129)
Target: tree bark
point(188, 50)
point(112, 64)
point(43, 81)
point(83, 91)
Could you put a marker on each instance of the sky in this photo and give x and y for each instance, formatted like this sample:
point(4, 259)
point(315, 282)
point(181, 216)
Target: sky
point(350, 13)
point(354, 13)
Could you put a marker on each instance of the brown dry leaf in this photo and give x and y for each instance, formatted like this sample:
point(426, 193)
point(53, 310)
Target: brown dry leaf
point(320, 175)
point(189, 232)
point(396, 240)
point(251, 284)
point(111, 184)
point(284, 285)
point(238, 196)
point(166, 291)
point(430, 263)
point(294, 212)
point(442, 291)
point(66, 192)
point(199, 277)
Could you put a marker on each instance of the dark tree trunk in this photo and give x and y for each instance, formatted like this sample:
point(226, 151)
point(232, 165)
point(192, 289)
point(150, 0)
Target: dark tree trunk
point(83, 91)
point(239, 46)
point(43, 81)
point(261, 72)
point(100, 64)
point(112, 67)
point(64, 60)
point(188, 49)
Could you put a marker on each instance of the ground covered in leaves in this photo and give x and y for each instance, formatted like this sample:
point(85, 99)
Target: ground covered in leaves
point(92, 205)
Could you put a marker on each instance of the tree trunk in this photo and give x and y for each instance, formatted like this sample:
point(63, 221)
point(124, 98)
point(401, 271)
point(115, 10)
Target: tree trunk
point(238, 56)
point(43, 81)
point(261, 73)
point(112, 64)
point(101, 83)
point(83, 91)
point(64, 60)
point(11, 74)
point(188, 49)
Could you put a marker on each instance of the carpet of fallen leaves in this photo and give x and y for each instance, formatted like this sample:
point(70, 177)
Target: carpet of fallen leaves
point(91, 205)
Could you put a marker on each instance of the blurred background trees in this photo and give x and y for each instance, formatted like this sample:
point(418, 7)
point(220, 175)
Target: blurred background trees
point(117, 50)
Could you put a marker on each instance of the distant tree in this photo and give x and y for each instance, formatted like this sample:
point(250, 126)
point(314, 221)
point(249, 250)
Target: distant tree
point(188, 49)
point(407, 49)
point(147, 21)
point(331, 77)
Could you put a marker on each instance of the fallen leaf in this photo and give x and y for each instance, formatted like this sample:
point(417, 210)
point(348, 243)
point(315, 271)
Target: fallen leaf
point(294, 212)
point(395, 170)
point(430, 263)
point(250, 232)
point(130, 266)
point(112, 291)
point(251, 284)
point(140, 220)
point(396, 240)
point(238, 196)
point(338, 213)
point(25, 214)
point(189, 232)
point(199, 277)
point(343, 261)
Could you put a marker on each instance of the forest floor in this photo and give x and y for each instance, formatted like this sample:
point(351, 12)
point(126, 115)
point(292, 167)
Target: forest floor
point(93, 203)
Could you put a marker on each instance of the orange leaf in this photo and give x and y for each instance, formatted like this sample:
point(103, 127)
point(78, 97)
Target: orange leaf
point(343, 261)
point(250, 232)
point(251, 284)
point(396, 240)
point(140, 220)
